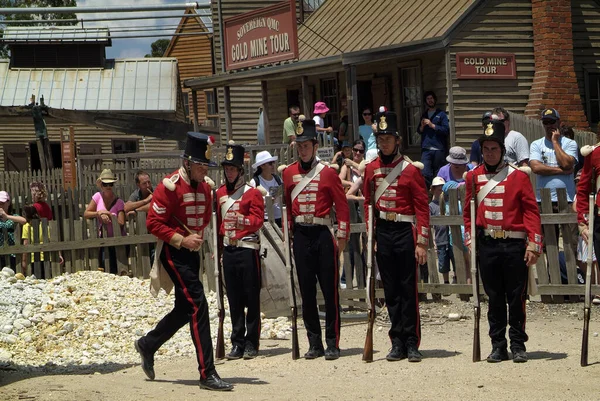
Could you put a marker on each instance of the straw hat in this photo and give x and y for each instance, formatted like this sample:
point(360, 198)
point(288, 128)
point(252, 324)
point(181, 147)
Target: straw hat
point(107, 176)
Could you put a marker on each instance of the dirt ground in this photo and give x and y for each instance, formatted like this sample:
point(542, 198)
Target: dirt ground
point(446, 372)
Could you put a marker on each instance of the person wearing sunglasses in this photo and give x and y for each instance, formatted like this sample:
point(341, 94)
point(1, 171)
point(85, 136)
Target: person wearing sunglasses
point(349, 170)
point(552, 158)
point(289, 125)
point(103, 206)
point(366, 130)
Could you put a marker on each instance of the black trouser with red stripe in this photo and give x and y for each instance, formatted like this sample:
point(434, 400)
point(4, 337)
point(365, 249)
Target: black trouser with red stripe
point(398, 269)
point(504, 275)
point(191, 307)
point(241, 271)
point(315, 254)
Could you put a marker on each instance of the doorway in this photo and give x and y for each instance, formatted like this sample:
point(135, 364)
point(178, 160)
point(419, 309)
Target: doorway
point(35, 156)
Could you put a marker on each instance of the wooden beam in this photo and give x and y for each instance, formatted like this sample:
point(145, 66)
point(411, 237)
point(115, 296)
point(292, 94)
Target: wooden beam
point(265, 103)
point(450, 97)
point(195, 106)
point(228, 122)
point(352, 99)
point(305, 96)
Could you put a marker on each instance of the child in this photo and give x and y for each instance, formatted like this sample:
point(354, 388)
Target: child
point(30, 213)
point(442, 241)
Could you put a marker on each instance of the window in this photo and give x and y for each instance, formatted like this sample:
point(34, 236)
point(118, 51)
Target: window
point(293, 98)
point(410, 80)
point(329, 95)
point(212, 112)
point(121, 146)
point(593, 98)
point(187, 100)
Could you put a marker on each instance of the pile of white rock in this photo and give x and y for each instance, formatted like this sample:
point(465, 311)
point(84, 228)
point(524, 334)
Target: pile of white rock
point(91, 319)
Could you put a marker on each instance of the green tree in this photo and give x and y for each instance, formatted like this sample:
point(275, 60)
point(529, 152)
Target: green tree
point(52, 19)
point(159, 47)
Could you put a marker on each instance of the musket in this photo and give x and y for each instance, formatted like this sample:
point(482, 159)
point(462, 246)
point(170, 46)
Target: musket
point(588, 276)
point(368, 350)
point(220, 350)
point(475, 277)
point(292, 295)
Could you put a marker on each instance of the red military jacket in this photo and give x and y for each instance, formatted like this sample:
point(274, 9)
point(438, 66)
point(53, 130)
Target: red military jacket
point(406, 195)
point(591, 167)
point(317, 197)
point(510, 206)
point(176, 197)
point(245, 217)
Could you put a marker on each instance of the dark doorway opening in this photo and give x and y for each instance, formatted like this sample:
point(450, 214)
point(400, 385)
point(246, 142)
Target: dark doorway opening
point(35, 156)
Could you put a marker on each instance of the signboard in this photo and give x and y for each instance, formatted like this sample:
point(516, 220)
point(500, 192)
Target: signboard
point(326, 153)
point(263, 36)
point(67, 150)
point(486, 66)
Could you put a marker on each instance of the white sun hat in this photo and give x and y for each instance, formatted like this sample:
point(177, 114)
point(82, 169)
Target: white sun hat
point(263, 158)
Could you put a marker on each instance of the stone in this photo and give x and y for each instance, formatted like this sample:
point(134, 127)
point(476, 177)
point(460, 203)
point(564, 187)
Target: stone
point(454, 317)
point(19, 276)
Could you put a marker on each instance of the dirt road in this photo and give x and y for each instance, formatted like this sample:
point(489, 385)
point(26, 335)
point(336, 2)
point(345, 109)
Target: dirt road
point(446, 373)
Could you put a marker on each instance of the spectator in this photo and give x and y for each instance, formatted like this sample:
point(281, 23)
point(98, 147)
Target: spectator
point(319, 113)
point(265, 177)
point(553, 158)
point(567, 131)
point(8, 221)
point(345, 153)
point(517, 148)
point(39, 195)
point(442, 240)
point(456, 167)
point(434, 130)
point(139, 200)
point(289, 126)
point(103, 205)
point(349, 172)
point(30, 214)
point(366, 130)
point(476, 158)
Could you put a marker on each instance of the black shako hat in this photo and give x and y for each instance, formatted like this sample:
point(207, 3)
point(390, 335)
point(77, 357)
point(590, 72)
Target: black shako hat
point(387, 123)
point(198, 148)
point(234, 155)
point(493, 131)
point(306, 131)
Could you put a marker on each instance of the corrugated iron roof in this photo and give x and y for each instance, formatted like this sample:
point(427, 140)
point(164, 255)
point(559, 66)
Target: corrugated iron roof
point(20, 34)
point(148, 84)
point(343, 26)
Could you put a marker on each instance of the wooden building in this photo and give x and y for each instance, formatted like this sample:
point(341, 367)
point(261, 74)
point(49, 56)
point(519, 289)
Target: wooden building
point(68, 68)
point(387, 52)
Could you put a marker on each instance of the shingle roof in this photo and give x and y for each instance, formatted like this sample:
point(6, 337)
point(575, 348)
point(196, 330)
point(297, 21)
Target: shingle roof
point(343, 26)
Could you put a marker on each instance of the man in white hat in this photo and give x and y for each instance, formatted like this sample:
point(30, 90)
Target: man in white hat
point(265, 177)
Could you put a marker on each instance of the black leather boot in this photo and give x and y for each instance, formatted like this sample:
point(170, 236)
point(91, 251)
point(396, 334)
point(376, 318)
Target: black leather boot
point(498, 355)
point(413, 353)
point(147, 360)
point(397, 353)
point(332, 353)
point(215, 383)
point(236, 353)
point(250, 352)
point(314, 352)
point(519, 355)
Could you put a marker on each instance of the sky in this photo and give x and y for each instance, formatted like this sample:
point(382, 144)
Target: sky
point(132, 48)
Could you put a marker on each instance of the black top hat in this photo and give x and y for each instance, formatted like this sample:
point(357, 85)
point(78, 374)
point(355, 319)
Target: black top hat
point(234, 155)
point(198, 148)
point(493, 131)
point(387, 123)
point(306, 130)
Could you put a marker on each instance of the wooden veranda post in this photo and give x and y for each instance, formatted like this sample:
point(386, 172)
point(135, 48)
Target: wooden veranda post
point(265, 104)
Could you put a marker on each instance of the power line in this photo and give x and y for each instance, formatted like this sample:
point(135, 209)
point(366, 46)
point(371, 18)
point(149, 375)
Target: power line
point(81, 20)
point(67, 40)
point(118, 9)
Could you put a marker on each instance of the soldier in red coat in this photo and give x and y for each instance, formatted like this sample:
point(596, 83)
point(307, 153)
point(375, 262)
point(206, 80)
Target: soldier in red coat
point(397, 191)
point(311, 189)
point(240, 216)
point(509, 240)
point(180, 203)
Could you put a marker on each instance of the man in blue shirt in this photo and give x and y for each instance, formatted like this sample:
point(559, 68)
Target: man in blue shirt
point(553, 158)
point(434, 130)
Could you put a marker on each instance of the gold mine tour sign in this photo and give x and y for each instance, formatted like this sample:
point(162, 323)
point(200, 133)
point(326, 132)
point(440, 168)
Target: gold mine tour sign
point(486, 66)
point(262, 36)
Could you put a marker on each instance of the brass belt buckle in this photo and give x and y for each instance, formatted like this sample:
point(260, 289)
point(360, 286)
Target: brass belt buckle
point(390, 216)
point(233, 242)
point(498, 234)
point(308, 219)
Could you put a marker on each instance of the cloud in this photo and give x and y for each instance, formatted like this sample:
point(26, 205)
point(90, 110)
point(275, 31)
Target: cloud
point(131, 47)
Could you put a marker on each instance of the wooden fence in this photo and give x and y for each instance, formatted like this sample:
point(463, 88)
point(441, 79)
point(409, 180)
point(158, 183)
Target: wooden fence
point(78, 241)
point(533, 129)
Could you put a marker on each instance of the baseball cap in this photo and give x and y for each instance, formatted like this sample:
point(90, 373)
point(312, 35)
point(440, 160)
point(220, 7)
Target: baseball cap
point(437, 181)
point(4, 196)
point(550, 114)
